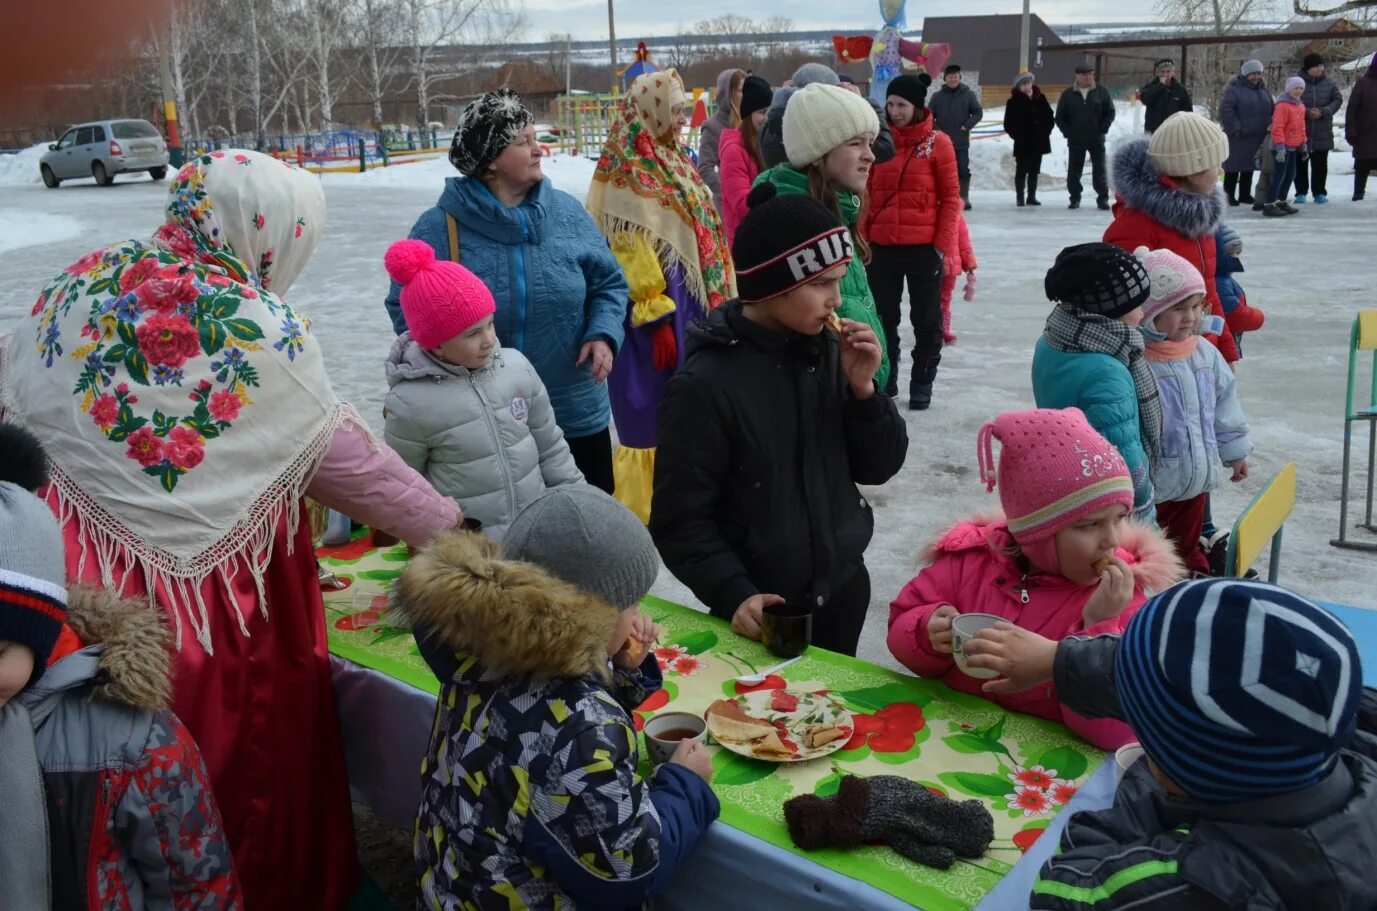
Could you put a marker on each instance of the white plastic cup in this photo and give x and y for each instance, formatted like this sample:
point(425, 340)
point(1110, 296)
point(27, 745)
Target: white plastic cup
point(963, 627)
point(1124, 757)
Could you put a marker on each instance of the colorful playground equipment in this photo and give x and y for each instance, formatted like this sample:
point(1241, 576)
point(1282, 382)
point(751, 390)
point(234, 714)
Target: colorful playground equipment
point(1260, 524)
point(1362, 337)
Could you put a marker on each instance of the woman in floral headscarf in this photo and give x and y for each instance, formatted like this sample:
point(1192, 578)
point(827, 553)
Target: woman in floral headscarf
point(186, 411)
point(665, 231)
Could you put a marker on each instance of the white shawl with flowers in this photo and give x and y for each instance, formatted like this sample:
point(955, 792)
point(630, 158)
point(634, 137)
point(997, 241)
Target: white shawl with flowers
point(183, 405)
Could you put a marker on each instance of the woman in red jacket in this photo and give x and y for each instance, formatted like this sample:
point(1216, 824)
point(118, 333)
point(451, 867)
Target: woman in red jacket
point(915, 202)
point(1169, 198)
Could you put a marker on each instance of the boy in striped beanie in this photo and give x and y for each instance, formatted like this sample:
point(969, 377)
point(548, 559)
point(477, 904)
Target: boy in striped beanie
point(1259, 788)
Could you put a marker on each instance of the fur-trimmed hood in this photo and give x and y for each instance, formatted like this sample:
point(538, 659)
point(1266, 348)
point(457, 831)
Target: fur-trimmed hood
point(126, 652)
point(1141, 186)
point(514, 618)
point(1146, 550)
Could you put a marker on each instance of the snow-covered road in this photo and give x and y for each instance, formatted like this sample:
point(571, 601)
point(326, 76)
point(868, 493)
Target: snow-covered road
point(1310, 273)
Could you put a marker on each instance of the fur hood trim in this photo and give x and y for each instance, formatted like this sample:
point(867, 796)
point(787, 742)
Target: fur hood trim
point(1151, 556)
point(135, 667)
point(1140, 185)
point(516, 619)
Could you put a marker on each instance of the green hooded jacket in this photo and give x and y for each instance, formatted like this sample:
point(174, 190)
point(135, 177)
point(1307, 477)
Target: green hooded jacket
point(857, 302)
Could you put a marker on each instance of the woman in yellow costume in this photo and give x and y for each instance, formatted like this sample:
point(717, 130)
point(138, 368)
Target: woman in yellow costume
point(658, 215)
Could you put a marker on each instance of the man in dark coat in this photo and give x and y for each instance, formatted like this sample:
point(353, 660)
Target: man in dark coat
point(1163, 96)
point(1245, 115)
point(1322, 100)
point(956, 111)
point(1084, 114)
point(768, 428)
point(1360, 128)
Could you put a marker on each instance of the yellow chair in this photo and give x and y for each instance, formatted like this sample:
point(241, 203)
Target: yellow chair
point(1260, 522)
point(1362, 338)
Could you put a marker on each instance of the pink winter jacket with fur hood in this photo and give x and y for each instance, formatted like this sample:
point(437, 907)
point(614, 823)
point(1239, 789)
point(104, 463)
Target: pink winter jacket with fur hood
point(969, 568)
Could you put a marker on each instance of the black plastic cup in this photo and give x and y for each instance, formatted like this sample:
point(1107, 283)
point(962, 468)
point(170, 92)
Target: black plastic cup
point(786, 629)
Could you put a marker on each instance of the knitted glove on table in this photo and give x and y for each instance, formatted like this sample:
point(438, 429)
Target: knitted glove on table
point(920, 825)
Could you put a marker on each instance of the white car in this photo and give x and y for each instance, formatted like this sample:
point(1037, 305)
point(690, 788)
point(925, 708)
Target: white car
point(104, 148)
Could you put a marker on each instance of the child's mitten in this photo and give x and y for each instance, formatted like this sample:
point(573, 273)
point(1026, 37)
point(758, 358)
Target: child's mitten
point(968, 293)
point(920, 825)
point(664, 350)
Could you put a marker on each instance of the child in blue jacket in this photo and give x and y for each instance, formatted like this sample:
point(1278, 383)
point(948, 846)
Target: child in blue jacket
point(1238, 315)
point(530, 794)
point(1092, 357)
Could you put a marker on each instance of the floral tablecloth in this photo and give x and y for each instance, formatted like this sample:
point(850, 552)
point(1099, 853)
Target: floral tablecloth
point(1025, 769)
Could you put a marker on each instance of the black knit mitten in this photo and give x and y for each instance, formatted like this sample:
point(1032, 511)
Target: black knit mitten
point(917, 823)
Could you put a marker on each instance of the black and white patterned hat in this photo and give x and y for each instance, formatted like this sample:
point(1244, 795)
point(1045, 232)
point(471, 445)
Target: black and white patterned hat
point(489, 124)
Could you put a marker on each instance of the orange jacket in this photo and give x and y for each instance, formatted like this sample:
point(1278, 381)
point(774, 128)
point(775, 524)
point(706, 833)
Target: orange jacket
point(1288, 124)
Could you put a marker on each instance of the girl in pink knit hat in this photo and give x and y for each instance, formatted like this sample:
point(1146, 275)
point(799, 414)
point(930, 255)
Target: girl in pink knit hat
point(473, 417)
point(1062, 560)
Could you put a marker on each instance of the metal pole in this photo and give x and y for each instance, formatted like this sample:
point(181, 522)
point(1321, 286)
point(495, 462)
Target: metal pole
point(1023, 39)
point(568, 63)
point(612, 43)
point(174, 136)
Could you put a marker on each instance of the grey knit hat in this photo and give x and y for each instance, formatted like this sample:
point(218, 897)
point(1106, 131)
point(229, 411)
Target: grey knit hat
point(1252, 66)
point(815, 72)
point(33, 574)
point(579, 534)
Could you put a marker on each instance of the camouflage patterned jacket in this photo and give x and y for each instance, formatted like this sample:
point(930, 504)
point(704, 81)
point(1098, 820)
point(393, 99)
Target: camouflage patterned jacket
point(530, 794)
point(132, 823)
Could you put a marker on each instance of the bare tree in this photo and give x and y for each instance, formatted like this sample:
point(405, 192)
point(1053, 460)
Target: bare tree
point(1304, 8)
point(772, 32)
point(329, 23)
point(682, 50)
point(735, 34)
point(380, 29)
point(448, 39)
point(1214, 65)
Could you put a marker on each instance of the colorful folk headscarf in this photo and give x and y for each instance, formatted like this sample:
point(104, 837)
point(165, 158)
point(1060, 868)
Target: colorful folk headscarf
point(183, 404)
point(646, 184)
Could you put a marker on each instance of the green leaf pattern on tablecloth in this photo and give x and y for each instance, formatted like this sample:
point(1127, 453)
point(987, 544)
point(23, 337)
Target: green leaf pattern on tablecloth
point(959, 743)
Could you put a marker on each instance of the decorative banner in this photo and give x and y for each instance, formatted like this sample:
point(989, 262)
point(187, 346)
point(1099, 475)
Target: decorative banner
point(1023, 768)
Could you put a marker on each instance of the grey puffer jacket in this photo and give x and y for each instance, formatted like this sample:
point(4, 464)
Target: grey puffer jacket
point(1323, 94)
point(487, 438)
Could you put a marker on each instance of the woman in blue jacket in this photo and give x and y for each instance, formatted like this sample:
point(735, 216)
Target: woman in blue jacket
point(560, 293)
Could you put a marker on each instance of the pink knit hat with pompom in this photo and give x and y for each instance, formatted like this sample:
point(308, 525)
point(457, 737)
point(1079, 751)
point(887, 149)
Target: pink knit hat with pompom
point(1054, 468)
point(1171, 277)
point(440, 299)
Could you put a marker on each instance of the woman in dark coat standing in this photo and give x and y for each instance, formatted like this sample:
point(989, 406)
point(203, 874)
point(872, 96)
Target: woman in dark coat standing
point(1028, 120)
point(1245, 114)
point(1360, 128)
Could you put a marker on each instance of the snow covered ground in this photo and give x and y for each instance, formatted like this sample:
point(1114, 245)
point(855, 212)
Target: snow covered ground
point(1310, 273)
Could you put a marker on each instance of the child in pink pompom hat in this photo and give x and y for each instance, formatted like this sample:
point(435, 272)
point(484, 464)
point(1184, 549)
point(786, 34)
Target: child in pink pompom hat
point(1062, 560)
point(472, 417)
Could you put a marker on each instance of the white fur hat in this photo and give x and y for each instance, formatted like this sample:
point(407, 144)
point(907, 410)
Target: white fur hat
point(1186, 144)
point(818, 118)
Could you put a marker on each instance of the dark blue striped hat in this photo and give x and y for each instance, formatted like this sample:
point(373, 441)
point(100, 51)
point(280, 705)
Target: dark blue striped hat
point(1238, 690)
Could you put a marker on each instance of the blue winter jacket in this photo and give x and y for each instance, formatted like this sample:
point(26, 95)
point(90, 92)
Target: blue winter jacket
point(1102, 387)
point(1203, 427)
point(556, 283)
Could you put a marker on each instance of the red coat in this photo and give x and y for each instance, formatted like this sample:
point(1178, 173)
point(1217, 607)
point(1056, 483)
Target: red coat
point(1288, 124)
point(736, 170)
point(924, 208)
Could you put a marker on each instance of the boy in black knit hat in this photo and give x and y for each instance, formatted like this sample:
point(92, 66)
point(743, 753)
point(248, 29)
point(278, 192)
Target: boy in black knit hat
point(767, 429)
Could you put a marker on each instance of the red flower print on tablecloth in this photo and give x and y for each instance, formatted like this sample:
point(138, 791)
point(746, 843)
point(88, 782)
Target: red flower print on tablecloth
point(1062, 791)
point(105, 411)
point(1032, 801)
point(225, 405)
point(892, 729)
point(145, 448)
point(687, 665)
point(185, 448)
point(1033, 777)
point(168, 340)
point(666, 654)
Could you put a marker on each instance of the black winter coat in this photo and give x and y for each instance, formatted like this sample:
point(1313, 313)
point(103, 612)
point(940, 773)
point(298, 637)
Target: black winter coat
point(1161, 101)
point(760, 449)
point(1029, 122)
point(1085, 119)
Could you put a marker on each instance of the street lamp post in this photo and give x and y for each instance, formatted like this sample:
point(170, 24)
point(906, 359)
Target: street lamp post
point(1022, 39)
point(612, 43)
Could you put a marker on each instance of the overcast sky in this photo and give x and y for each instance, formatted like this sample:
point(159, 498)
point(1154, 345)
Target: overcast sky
point(587, 19)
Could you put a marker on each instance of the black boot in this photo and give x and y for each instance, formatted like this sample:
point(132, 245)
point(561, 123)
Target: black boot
point(1019, 175)
point(966, 195)
point(1075, 203)
point(1245, 188)
point(1033, 189)
point(920, 384)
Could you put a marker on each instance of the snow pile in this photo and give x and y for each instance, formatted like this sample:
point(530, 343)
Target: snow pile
point(28, 228)
point(21, 168)
point(567, 172)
